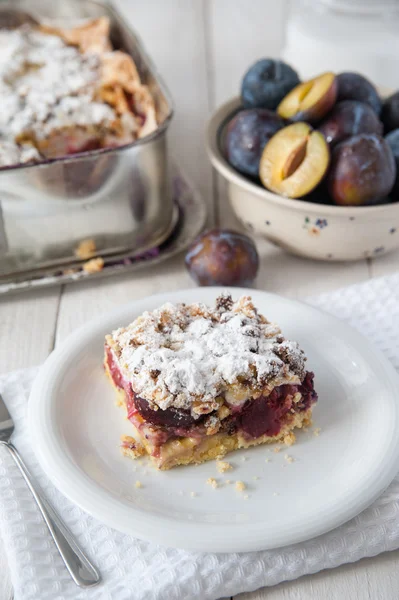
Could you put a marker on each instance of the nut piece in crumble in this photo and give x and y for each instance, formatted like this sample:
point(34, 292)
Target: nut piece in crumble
point(198, 382)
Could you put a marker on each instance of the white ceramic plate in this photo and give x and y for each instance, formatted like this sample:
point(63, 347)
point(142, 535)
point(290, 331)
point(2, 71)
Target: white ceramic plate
point(76, 428)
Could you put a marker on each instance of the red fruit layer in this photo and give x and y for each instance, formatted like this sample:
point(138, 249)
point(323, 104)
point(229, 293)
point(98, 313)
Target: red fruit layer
point(261, 416)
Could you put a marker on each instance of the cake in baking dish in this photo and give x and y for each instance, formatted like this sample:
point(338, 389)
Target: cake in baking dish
point(66, 91)
point(198, 382)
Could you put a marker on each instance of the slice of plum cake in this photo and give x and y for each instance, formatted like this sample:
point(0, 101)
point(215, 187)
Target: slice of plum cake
point(198, 382)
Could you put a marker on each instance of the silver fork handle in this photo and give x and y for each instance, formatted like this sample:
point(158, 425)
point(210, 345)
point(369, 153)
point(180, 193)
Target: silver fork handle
point(80, 568)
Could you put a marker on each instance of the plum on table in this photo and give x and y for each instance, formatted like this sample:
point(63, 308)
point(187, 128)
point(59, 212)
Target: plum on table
point(362, 171)
point(349, 118)
point(246, 135)
point(294, 161)
point(310, 101)
point(390, 113)
point(222, 257)
point(266, 83)
point(353, 86)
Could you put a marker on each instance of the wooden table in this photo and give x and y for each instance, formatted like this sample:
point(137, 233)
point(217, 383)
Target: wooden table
point(201, 47)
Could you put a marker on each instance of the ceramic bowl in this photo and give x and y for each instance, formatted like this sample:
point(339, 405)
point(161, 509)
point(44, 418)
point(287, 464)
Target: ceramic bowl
point(319, 231)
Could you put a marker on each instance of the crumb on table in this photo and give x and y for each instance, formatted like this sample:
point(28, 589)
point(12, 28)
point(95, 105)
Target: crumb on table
point(86, 249)
point(70, 271)
point(95, 265)
point(212, 482)
point(223, 466)
point(240, 486)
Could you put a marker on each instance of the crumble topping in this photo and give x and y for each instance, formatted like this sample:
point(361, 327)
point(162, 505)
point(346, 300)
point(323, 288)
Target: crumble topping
point(191, 356)
point(45, 83)
point(62, 89)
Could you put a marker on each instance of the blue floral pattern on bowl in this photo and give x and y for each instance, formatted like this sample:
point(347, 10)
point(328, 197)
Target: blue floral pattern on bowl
point(314, 228)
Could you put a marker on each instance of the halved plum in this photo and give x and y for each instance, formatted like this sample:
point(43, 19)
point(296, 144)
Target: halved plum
point(294, 161)
point(310, 101)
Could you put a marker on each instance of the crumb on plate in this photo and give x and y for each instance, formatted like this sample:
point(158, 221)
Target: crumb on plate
point(138, 484)
point(317, 431)
point(212, 482)
point(288, 458)
point(223, 466)
point(240, 486)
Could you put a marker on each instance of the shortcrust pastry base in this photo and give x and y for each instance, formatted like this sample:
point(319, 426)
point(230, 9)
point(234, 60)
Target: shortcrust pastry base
point(186, 451)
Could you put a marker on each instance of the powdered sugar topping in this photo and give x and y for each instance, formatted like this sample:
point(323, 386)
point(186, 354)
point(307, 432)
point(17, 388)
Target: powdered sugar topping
point(45, 83)
point(187, 355)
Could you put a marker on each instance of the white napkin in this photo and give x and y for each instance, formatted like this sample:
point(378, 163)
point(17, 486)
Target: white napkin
point(137, 570)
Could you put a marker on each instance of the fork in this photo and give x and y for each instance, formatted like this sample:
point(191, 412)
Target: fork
point(80, 568)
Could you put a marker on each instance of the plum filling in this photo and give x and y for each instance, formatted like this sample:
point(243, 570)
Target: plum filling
point(265, 415)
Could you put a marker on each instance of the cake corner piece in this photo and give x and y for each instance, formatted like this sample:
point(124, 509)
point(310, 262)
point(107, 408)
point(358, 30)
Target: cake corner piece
point(198, 382)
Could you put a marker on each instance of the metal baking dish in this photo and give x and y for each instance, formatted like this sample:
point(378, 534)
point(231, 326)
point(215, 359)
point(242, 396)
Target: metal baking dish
point(120, 197)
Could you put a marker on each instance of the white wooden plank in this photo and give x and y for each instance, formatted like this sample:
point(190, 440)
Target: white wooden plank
point(81, 302)
point(240, 33)
point(384, 265)
point(27, 325)
point(369, 579)
point(173, 35)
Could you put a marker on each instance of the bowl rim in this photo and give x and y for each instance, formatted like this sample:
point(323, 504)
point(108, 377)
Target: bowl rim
point(215, 124)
